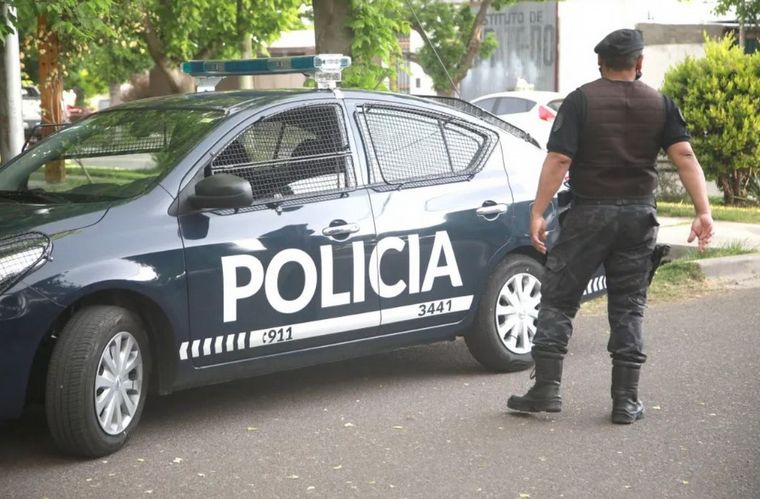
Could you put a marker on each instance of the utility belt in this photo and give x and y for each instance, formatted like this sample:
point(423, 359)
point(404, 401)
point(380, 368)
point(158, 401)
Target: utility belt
point(644, 200)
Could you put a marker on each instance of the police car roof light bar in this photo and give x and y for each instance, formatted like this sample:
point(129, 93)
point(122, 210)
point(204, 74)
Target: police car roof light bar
point(326, 68)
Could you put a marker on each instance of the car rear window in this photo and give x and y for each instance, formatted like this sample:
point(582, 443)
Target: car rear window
point(554, 104)
point(408, 145)
point(512, 105)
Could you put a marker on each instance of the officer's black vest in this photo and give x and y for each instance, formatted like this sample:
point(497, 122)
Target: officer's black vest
point(620, 140)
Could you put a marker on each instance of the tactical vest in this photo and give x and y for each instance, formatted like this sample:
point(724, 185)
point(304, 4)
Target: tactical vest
point(620, 140)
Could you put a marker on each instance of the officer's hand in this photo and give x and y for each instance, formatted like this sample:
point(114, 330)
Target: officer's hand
point(538, 233)
point(702, 228)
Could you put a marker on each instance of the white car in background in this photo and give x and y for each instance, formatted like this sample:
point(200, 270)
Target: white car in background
point(531, 110)
point(30, 108)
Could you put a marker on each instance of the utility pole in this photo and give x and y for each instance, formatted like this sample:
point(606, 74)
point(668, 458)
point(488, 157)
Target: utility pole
point(11, 120)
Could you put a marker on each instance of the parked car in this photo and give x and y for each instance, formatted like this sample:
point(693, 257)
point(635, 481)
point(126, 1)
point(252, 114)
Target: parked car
point(30, 109)
point(186, 240)
point(76, 113)
point(530, 110)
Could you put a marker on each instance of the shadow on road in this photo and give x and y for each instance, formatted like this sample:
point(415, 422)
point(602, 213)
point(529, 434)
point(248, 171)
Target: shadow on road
point(26, 441)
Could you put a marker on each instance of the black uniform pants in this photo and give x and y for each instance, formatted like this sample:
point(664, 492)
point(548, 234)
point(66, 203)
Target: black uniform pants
point(619, 234)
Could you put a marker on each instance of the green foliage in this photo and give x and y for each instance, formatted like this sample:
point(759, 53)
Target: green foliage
point(375, 50)
point(105, 41)
point(449, 28)
point(747, 11)
point(718, 95)
point(215, 28)
point(732, 248)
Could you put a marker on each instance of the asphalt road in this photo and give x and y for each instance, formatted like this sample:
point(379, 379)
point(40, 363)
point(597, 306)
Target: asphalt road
point(429, 422)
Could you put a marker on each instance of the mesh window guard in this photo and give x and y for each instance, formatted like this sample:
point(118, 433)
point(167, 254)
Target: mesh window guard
point(473, 110)
point(300, 152)
point(19, 254)
point(409, 145)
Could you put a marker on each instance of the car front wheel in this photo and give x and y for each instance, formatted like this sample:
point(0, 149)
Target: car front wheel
point(502, 336)
point(97, 381)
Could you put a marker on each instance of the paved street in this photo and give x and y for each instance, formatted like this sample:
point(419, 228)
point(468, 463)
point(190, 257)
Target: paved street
point(428, 422)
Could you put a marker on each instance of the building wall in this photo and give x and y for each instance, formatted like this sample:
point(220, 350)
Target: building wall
point(526, 55)
point(583, 23)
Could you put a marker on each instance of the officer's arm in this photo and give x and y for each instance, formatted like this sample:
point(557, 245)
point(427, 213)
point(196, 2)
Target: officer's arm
point(693, 179)
point(552, 174)
point(691, 174)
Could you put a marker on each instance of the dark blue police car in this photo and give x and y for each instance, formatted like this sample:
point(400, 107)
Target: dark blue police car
point(188, 240)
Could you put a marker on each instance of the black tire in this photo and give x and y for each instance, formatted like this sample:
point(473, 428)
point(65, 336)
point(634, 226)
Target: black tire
point(484, 339)
point(70, 392)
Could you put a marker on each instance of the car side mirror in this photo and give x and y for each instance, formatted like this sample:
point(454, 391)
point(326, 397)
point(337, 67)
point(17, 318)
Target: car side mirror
point(222, 191)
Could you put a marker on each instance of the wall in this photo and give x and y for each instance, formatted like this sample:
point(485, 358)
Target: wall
point(527, 51)
point(583, 23)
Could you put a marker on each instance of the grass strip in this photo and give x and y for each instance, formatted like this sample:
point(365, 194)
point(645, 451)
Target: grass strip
point(677, 279)
point(750, 215)
point(732, 248)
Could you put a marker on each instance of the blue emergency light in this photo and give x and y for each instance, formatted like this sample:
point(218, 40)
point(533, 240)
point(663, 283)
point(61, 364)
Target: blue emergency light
point(326, 68)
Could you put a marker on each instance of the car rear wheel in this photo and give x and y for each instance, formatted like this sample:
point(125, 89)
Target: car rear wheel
point(97, 381)
point(502, 336)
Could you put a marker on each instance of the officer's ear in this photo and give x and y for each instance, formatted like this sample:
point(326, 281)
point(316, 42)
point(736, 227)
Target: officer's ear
point(639, 63)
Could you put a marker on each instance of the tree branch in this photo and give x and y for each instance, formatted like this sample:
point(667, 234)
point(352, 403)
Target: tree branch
point(473, 43)
point(156, 51)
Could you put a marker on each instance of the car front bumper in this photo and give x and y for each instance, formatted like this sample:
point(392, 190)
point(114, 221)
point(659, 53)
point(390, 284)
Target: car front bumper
point(25, 319)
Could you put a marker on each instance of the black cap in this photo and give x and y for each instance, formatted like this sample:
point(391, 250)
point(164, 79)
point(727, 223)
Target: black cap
point(620, 42)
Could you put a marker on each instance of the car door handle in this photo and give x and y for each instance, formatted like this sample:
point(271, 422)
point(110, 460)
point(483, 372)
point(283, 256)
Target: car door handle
point(339, 230)
point(491, 210)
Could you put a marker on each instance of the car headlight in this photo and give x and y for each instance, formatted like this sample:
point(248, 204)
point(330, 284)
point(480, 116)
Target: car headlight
point(20, 254)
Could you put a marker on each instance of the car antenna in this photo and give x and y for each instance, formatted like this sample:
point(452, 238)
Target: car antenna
point(432, 47)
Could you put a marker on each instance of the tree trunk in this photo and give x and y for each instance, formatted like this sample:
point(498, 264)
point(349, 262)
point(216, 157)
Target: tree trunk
point(156, 51)
point(246, 49)
point(473, 45)
point(735, 187)
point(331, 33)
point(114, 93)
point(51, 92)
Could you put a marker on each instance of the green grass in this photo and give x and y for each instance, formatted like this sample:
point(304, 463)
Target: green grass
point(677, 279)
point(730, 249)
point(719, 212)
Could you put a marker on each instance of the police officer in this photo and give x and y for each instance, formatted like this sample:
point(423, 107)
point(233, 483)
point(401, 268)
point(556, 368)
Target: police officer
point(608, 134)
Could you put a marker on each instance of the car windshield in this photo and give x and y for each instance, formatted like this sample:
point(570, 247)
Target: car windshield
point(112, 155)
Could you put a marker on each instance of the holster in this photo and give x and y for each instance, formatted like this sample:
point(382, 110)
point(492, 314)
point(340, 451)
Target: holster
point(659, 253)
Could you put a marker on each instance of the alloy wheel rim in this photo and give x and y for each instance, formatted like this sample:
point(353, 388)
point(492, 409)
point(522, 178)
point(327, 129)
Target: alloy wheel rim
point(517, 312)
point(118, 383)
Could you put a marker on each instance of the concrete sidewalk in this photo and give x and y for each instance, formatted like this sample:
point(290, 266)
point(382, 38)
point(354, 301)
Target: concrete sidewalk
point(731, 269)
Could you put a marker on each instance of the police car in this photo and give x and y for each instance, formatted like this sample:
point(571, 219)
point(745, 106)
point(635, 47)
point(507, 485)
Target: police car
point(186, 240)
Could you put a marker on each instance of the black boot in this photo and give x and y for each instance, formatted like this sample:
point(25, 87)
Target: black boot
point(544, 395)
point(626, 406)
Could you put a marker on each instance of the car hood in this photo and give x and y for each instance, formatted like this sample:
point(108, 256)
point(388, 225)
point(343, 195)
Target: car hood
point(17, 218)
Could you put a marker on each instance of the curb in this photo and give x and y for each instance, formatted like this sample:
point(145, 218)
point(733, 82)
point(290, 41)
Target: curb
point(731, 268)
point(725, 268)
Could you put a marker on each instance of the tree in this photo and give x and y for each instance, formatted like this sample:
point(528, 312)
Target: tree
point(747, 12)
point(366, 30)
point(134, 35)
point(61, 29)
point(453, 37)
point(718, 95)
point(369, 31)
point(179, 30)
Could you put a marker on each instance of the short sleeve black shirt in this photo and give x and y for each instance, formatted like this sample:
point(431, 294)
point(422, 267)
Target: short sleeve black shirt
point(568, 125)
